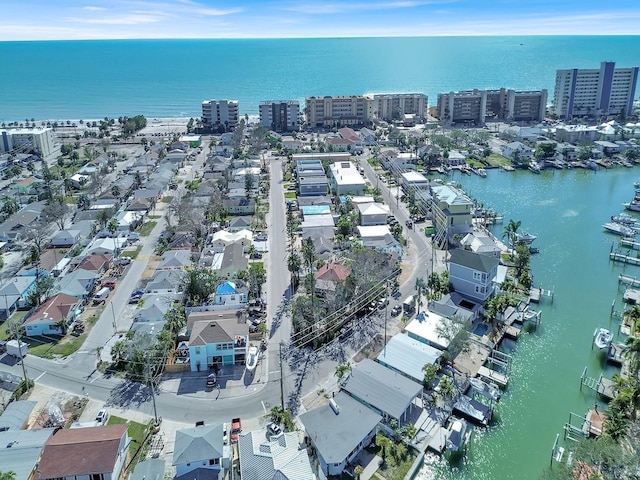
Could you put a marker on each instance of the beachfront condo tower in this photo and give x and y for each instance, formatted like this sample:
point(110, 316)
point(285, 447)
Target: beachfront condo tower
point(594, 92)
point(280, 116)
point(220, 114)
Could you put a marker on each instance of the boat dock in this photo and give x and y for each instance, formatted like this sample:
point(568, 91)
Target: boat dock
point(512, 332)
point(632, 244)
point(473, 410)
point(615, 353)
point(627, 280)
point(536, 294)
point(602, 386)
point(492, 376)
point(619, 257)
point(593, 423)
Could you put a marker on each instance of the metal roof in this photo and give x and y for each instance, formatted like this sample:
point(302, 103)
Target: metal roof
point(407, 355)
point(281, 458)
point(335, 436)
point(16, 414)
point(198, 443)
point(383, 388)
point(20, 450)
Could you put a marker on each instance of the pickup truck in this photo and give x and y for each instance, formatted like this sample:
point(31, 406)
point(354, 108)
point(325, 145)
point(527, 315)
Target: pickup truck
point(236, 428)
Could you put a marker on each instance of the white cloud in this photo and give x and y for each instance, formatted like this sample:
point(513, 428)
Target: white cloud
point(350, 7)
point(126, 19)
point(93, 9)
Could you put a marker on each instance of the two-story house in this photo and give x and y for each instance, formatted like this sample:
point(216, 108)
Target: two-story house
point(473, 275)
point(217, 342)
point(229, 293)
point(199, 452)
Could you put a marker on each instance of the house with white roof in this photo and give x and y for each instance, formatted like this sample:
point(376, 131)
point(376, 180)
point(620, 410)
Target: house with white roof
point(280, 458)
point(407, 356)
point(373, 213)
point(479, 242)
point(427, 328)
point(524, 152)
point(222, 238)
point(345, 179)
point(414, 180)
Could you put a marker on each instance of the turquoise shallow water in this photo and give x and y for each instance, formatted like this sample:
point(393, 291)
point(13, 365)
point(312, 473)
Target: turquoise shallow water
point(566, 209)
point(160, 78)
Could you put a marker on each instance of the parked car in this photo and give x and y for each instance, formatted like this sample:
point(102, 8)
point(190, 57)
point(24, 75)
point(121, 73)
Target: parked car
point(383, 303)
point(395, 311)
point(261, 237)
point(236, 429)
point(101, 296)
point(274, 429)
point(409, 224)
point(123, 261)
point(396, 293)
point(102, 417)
point(109, 283)
point(255, 255)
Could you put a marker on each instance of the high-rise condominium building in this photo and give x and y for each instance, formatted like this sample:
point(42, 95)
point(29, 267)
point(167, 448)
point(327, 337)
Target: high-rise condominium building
point(27, 139)
point(594, 92)
point(392, 106)
point(280, 116)
point(478, 106)
point(338, 111)
point(220, 114)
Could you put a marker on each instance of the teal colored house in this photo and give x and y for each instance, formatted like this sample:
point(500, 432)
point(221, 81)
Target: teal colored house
point(54, 316)
point(218, 343)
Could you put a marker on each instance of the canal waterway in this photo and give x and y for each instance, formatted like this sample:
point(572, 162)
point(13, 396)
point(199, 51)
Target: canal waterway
point(566, 209)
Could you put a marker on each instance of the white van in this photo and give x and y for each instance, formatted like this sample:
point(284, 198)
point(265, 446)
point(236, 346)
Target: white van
point(101, 296)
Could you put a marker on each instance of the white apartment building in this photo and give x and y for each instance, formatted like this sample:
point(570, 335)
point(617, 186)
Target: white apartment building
point(478, 106)
point(393, 106)
point(594, 92)
point(220, 114)
point(280, 116)
point(27, 139)
point(338, 111)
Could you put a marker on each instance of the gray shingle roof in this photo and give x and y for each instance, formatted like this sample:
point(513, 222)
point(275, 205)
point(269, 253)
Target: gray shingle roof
point(150, 469)
point(474, 261)
point(26, 448)
point(384, 389)
point(277, 459)
point(198, 443)
point(336, 436)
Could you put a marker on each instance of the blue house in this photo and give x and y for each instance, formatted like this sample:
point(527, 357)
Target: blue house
point(13, 295)
point(54, 316)
point(473, 275)
point(218, 343)
point(228, 293)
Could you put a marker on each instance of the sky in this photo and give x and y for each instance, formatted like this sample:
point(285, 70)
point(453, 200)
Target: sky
point(114, 19)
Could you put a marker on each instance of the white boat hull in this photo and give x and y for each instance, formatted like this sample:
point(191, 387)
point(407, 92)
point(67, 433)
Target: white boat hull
point(602, 338)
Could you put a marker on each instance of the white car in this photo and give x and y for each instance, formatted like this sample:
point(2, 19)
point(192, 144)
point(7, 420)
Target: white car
point(274, 429)
point(102, 417)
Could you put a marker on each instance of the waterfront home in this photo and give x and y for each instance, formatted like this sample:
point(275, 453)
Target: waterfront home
point(451, 209)
point(407, 356)
point(575, 133)
point(427, 328)
point(14, 294)
point(472, 275)
point(524, 152)
point(217, 341)
point(282, 457)
point(54, 316)
point(607, 148)
point(199, 452)
point(339, 430)
point(382, 389)
point(26, 446)
point(479, 242)
point(92, 452)
point(414, 180)
point(455, 158)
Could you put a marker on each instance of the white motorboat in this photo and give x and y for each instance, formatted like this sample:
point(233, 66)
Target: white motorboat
point(458, 435)
point(633, 205)
point(602, 338)
point(534, 167)
point(619, 229)
point(624, 219)
point(252, 359)
point(525, 237)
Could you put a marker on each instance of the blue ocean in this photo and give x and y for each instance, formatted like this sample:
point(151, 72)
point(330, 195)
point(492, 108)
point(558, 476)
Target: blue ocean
point(167, 78)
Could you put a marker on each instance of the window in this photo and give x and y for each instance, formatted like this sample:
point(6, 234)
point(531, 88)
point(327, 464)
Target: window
point(197, 350)
point(477, 276)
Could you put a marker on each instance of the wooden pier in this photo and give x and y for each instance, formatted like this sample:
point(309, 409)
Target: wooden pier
point(602, 386)
point(594, 422)
point(619, 257)
point(615, 353)
point(512, 332)
point(492, 376)
point(632, 244)
point(536, 294)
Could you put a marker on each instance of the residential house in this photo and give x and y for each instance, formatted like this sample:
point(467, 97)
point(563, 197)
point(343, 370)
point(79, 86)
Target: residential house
point(28, 186)
point(165, 281)
point(239, 206)
point(80, 181)
point(339, 431)
point(175, 259)
point(154, 307)
point(414, 181)
point(379, 237)
point(368, 136)
point(105, 246)
point(65, 238)
point(16, 416)
point(239, 223)
point(339, 144)
point(149, 469)
point(229, 293)
point(345, 179)
point(373, 213)
point(524, 152)
point(427, 328)
point(217, 342)
point(80, 283)
point(21, 450)
point(54, 316)
point(128, 221)
point(13, 228)
point(472, 275)
point(98, 453)
point(223, 238)
point(455, 158)
point(230, 261)
point(407, 356)
point(142, 205)
point(14, 294)
point(329, 276)
point(478, 241)
point(199, 452)
point(451, 212)
point(278, 458)
point(97, 264)
point(383, 390)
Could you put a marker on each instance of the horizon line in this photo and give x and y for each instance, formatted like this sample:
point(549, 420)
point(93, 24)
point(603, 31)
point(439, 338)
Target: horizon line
point(318, 37)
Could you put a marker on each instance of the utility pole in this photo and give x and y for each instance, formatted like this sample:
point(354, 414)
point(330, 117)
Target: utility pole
point(153, 391)
point(17, 334)
point(281, 378)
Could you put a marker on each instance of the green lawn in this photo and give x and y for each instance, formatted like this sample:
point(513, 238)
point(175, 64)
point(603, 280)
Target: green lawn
point(496, 160)
point(4, 334)
point(137, 433)
point(167, 199)
point(290, 195)
point(51, 348)
point(132, 254)
point(145, 229)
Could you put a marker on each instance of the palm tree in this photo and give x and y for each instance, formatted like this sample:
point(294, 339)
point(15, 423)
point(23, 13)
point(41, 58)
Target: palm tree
point(511, 230)
point(293, 264)
point(632, 353)
point(10, 475)
point(175, 321)
point(116, 191)
point(421, 286)
point(308, 253)
point(430, 371)
point(342, 370)
point(384, 443)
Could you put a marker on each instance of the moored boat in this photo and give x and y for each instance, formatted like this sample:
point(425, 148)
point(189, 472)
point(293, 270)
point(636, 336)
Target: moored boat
point(619, 229)
point(624, 219)
point(602, 338)
point(458, 435)
point(534, 167)
point(633, 206)
point(525, 237)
